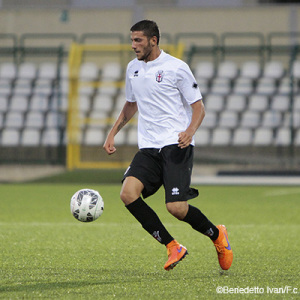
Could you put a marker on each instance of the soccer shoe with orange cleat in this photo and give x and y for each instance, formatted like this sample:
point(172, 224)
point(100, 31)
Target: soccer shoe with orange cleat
point(176, 253)
point(223, 248)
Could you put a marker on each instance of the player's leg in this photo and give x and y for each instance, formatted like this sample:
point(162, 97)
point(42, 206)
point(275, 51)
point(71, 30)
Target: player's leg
point(193, 216)
point(178, 165)
point(176, 252)
point(218, 235)
point(137, 181)
point(151, 222)
point(131, 190)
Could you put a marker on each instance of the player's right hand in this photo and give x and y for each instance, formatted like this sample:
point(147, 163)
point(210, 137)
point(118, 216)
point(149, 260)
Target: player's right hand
point(109, 147)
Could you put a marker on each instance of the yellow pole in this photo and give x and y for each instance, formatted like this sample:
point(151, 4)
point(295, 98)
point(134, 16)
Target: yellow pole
point(73, 127)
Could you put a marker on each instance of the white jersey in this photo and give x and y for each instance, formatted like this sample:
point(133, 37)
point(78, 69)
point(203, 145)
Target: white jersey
point(164, 89)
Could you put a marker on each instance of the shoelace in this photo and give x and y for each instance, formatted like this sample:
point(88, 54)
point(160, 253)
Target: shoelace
point(219, 248)
point(169, 252)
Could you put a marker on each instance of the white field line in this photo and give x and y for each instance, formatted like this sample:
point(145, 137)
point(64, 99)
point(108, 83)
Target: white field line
point(69, 224)
point(247, 180)
point(282, 192)
point(114, 224)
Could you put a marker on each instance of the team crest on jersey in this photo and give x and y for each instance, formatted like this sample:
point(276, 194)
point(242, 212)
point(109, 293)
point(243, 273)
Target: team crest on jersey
point(159, 75)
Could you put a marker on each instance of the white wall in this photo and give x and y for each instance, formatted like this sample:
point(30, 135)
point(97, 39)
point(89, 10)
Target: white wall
point(217, 20)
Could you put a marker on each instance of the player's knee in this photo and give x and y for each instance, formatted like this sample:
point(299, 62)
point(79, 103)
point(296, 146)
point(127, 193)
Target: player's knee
point(128, 195)
point(178, 209)
point(131, 190)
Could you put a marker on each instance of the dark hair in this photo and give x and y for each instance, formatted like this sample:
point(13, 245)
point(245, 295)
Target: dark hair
point(149, 28)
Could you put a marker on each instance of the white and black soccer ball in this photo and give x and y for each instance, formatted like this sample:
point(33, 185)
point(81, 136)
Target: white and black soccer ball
point(87, 205)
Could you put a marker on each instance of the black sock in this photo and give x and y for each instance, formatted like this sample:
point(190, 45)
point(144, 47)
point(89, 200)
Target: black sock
point(200, 223)
point(149, 220)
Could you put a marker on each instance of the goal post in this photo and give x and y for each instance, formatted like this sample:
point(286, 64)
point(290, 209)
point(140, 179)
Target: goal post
point(81, 152)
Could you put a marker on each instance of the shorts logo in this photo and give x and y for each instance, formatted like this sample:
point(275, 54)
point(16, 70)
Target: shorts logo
point(159, 75)
point(175, 191)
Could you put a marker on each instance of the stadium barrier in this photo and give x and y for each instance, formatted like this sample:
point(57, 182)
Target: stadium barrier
point(198, 47)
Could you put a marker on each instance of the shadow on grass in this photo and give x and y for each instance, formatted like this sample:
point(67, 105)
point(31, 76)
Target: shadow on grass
point(103, 277)
point(43, 286)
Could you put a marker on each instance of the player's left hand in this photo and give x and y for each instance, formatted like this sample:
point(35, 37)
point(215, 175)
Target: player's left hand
point(184, 139)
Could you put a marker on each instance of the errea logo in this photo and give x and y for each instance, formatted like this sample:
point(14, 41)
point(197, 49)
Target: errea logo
point(175, 191)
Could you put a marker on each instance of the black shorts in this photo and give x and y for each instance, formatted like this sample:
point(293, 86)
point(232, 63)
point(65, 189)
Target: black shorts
point(169, 166)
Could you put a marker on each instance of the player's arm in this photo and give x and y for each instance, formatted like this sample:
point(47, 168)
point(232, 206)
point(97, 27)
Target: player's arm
point(185, 138)
point(128, 111)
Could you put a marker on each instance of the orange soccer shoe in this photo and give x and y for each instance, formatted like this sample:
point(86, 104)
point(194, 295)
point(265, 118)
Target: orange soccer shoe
point(176, 253)
point(223, 248)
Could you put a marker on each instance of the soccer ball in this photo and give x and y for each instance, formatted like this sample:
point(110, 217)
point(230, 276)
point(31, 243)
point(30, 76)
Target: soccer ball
point(87, 205)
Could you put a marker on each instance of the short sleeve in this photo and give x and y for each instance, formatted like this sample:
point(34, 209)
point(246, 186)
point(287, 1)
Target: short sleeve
point(128, 88)
point(187, 84)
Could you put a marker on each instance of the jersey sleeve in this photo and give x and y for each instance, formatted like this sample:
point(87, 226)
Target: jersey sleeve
point(128, 88)
point(187, 84)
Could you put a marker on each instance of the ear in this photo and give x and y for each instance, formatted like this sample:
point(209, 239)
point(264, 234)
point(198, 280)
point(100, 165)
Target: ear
point(153, 41)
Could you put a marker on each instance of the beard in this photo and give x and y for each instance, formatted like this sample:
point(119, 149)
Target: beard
point(146, 52)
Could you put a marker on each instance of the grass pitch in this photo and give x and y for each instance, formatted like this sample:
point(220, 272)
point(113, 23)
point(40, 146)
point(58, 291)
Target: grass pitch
point(46, 253)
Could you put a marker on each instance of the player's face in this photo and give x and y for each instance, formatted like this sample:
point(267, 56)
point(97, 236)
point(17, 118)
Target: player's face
point(141, 45)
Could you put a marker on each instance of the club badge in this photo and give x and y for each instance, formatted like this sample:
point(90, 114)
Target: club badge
point(159, 75)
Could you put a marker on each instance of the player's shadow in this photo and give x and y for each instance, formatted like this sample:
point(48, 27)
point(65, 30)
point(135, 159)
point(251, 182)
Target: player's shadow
point(43, 286)
point(55, 286)
point(96, 279)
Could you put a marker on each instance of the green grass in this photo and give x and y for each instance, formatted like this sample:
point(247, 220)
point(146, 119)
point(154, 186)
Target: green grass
point(46, 253)
point(94, 176)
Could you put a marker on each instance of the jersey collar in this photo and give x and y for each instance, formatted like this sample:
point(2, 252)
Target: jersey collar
point(155, 61)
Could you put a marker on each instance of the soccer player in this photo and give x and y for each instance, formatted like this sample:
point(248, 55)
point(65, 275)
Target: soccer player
point(164, 91)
